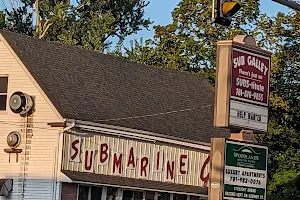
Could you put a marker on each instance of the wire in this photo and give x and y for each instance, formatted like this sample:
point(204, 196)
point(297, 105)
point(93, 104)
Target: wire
point(155, 114)
point(123, 118)
point(22, 126)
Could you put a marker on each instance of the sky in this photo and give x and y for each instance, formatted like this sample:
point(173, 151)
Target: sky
point(159, 11)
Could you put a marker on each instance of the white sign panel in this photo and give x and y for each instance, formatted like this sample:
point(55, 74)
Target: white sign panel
point(248, 116)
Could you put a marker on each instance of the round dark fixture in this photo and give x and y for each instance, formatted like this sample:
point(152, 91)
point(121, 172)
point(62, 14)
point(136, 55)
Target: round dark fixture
point(13, 139)
point(20, 103)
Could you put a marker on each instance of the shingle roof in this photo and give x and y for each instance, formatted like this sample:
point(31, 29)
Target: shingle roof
point(95, 87)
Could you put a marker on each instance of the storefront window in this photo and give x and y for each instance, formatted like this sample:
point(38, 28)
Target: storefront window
point(111, 193)
point(138, 195)
point(83, 193)
point(132, 195)
point(96, 193)
point(163, 196)
point(194, 198)
point(179, 197)
point(127, 195)
point(150, 195)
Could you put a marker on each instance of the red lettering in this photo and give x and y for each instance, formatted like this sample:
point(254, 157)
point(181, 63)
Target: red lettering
point(131, 159)
point(103, 153)
point(183, 164)
point(170, 170)
point(144, 164)
point(157, 160)
point(204, 179)
point(117, 163)
point(75, 149)
point(89, 160)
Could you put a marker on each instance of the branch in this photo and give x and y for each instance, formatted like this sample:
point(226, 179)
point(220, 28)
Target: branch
point(38, 21)
point(45, 31)
point(46, 23)
point(81, 5)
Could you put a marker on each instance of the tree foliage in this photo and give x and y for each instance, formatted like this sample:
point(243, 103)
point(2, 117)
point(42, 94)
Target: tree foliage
point(188, 43)
point(282, 36)
point(90, 24)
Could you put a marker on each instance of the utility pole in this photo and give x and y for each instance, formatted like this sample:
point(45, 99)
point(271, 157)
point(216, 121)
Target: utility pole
point(291, 4)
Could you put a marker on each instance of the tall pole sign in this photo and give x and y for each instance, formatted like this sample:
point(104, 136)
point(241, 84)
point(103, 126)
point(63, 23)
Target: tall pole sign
point(242, 85)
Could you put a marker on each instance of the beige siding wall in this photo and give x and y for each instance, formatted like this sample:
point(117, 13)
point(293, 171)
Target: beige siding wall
point(41, 139)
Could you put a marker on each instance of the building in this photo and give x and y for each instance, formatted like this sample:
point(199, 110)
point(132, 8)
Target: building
point(77, 124)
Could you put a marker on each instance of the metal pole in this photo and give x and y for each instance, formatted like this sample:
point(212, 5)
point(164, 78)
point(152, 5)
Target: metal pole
point(288, 3)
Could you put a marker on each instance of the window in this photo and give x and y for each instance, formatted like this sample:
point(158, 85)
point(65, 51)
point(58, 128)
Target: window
point(96, 193)
point(89, 193)
point(3, 92)
point(179, 197)
point(83, 192)
point(194, 198)
point(163, 196)
point(150, 195)
point(132, 195)
point(111, 193)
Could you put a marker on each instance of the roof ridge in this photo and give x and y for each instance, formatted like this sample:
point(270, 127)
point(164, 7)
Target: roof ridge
point(100, 53)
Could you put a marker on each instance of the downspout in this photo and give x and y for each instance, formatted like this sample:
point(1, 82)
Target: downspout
point(57, 150)
point(24, 161)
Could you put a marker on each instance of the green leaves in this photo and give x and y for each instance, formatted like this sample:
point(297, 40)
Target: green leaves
point(91, 24)
point(189, 42)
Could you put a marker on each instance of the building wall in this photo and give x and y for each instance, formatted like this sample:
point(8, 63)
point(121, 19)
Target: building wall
point(37, 167)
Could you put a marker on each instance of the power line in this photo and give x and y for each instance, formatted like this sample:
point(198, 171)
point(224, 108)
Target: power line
point(155, 114)
point(122, 118)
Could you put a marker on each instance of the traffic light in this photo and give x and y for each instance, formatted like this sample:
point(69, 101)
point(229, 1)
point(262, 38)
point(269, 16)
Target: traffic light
point(223, 10)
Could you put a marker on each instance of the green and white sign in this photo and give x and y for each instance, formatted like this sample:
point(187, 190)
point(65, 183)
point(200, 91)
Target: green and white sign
point(245, 173)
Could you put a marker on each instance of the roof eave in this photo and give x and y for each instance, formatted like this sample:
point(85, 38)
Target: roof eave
point(136, 134)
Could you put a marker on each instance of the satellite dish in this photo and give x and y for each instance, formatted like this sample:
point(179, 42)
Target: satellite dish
point(13, 139)
point(20, 103)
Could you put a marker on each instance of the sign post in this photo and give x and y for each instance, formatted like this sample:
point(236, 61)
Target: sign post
point(238, 166)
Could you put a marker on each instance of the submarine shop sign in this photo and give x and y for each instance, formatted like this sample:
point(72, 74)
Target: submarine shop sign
point(249, 90)
point(132, 159)
point(245, 173)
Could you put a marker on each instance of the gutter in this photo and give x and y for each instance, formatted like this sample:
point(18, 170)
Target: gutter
point(57, 150)
point(136, 134)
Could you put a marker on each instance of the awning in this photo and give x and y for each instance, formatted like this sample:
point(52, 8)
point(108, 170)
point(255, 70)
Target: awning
point(6, 186)
point(131, 182)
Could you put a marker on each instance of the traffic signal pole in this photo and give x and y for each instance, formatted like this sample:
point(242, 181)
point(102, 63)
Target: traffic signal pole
point(288, 3)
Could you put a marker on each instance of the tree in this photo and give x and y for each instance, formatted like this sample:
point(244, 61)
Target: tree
point(90, 24)
point(188, 43)
point(283, 139)
point(96, 21)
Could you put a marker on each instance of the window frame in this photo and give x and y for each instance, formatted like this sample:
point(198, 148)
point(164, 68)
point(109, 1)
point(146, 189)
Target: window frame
point(7, 93)
point(104, 188)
